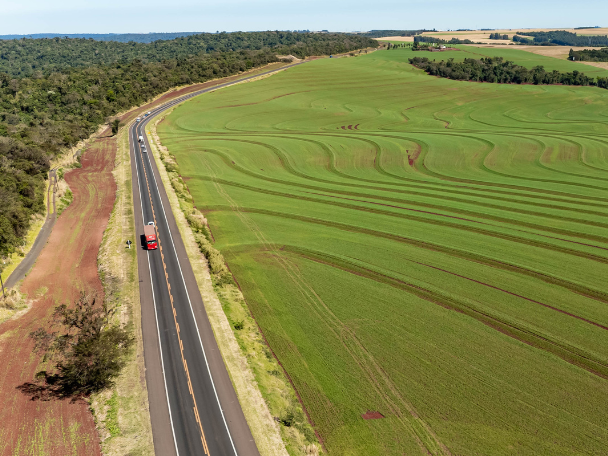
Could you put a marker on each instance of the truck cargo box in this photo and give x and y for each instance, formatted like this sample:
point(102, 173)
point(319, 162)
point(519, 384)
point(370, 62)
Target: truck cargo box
point(150, 234)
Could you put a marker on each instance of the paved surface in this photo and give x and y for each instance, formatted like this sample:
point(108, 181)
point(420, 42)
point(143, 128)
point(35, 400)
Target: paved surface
point(193, 406)
point(31, 257)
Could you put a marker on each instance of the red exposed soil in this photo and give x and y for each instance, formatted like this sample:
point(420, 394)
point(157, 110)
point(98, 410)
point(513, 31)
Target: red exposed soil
point(67, 265)
point(370, 415)
point(411, 157)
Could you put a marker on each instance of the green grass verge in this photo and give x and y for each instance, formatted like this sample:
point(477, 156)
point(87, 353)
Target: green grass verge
point(428, 249)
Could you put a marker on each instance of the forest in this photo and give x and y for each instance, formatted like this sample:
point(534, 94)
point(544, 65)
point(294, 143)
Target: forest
point(560, 38)
point(55, 109)
point(36, 57)
point(589, 55)
point(121, 37)
point(430, 39)
point(498, 70)
point(383, 33)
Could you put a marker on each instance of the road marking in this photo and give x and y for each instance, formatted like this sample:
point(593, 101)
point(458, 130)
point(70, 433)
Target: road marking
point(181, 345)
point(162, 361)
point(135, 142)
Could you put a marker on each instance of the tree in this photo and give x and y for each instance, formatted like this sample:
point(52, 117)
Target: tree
point(88, 349)
point(115, 124)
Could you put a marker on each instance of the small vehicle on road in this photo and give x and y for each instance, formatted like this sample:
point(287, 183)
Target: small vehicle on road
point(138, 119)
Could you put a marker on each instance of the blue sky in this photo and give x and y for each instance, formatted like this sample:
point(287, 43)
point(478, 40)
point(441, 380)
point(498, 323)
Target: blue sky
point(121, 16)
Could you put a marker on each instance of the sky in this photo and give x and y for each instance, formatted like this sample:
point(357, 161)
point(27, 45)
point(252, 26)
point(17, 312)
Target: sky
point(136, 16)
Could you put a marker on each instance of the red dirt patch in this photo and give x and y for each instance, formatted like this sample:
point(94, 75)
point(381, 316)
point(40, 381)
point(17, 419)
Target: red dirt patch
point(411, 157)
point(370, 415)
point(67, 265)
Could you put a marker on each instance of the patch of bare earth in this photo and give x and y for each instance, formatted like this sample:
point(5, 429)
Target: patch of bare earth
point(66, 266)
point(290, 58)
point(371, 415)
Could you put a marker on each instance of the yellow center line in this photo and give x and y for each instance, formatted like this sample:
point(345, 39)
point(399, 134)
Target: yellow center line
point(181, 345)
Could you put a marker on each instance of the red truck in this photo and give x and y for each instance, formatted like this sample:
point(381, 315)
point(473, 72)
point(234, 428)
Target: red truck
point(150, 233)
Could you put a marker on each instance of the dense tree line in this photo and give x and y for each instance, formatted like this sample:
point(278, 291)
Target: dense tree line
point(383, 33)
point(496, 69)
point(498, 36)
point(121, 37)
point(425, 43)
point(589, 55)
point(561, 38)
point(522, 40)
point(432, 39)
point(52, 110)
point(38, 57)
point(398, 45)
point(23, 169)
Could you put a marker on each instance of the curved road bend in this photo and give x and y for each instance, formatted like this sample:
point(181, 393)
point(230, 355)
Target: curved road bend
point(193, 406)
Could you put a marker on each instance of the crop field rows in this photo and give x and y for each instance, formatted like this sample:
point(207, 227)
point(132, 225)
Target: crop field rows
point(431, 250)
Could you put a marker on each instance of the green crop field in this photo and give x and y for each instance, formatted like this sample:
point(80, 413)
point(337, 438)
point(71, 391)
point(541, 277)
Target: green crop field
point(432, 250)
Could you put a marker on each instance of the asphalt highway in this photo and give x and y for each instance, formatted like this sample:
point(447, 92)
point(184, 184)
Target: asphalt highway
point(193, 406)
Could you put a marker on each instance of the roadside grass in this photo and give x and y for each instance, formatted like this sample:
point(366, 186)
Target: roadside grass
point(427, 249)
point(13, 305)
point(265, 395)
point(122, 414)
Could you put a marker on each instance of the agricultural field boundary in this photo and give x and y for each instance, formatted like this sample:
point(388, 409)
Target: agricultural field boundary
point(255, 373)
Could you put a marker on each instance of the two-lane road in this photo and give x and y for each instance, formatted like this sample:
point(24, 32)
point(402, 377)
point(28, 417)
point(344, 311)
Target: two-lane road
point(193, 406)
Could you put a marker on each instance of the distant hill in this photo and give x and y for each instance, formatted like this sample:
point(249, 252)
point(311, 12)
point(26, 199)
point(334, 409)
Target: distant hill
point(120, 37)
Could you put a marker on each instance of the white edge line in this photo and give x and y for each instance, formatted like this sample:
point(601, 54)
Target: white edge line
point(162, 362)
point(192, 311)
point(143, 124)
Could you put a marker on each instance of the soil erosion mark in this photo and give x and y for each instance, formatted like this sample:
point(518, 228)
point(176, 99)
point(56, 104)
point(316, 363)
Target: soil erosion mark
point(67, 265)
